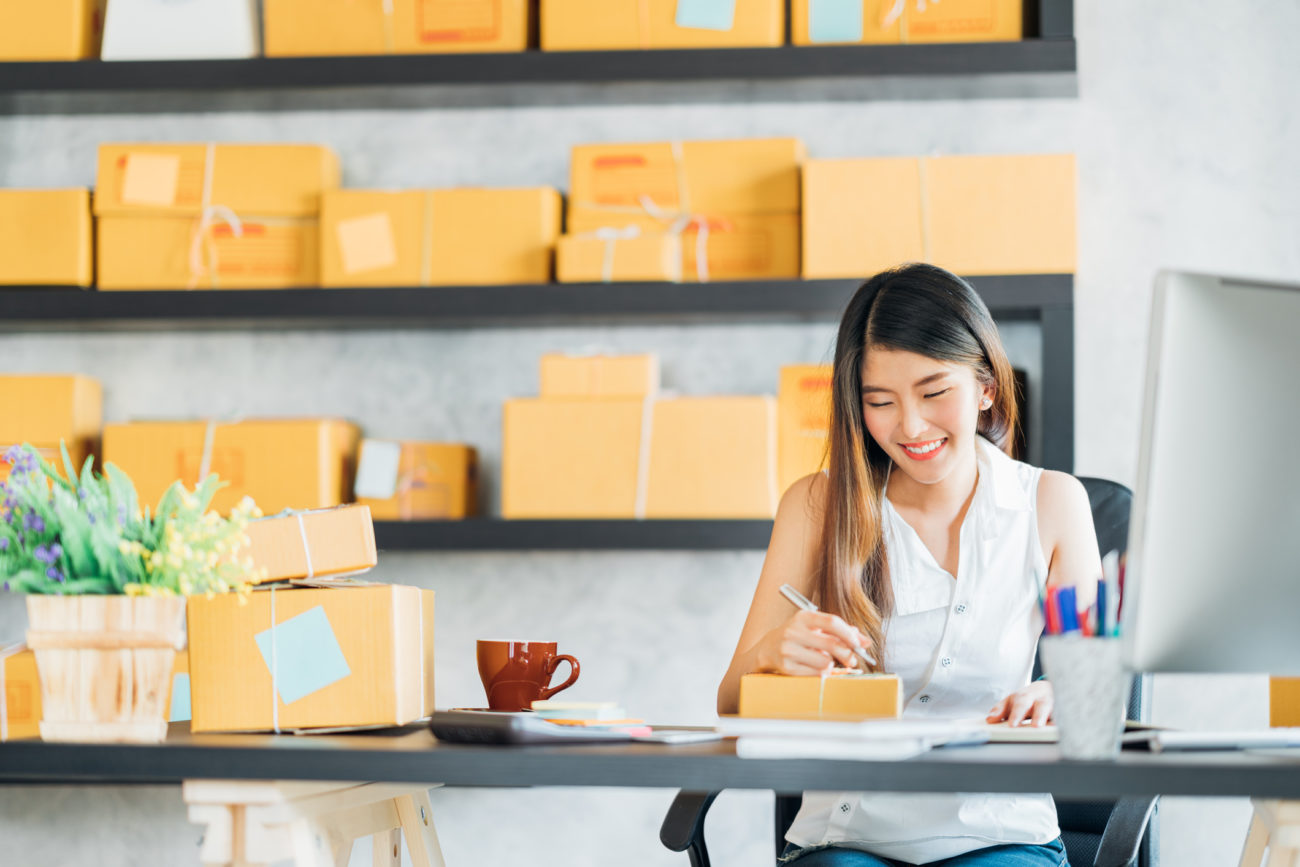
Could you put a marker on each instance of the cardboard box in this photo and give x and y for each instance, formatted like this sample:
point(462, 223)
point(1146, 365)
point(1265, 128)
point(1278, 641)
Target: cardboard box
point(1002, 214)
point(803, 421)
point(281, 464)
point(42, 409)
point(743, 247)
point(614, 256)
point(351, 656)
point(158, 253)
point(45, 238)
point(256, 181)
point(50, 29)
point(192, 30)
point(22, 694)
point(417, 481)
point(821, 22)
point(571, 458)
point(451, 237)
point(328, 27)
point(586, 25)
point(611, 183)
point(566, 375)
point(1284, 701)
point(843, 696)
point(713, 457)
point(861, 216)
point(315, 544)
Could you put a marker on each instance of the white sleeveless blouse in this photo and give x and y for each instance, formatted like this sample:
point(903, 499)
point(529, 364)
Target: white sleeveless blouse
point(959, 646)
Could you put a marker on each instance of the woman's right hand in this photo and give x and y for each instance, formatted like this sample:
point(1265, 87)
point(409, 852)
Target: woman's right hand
point(810, 642)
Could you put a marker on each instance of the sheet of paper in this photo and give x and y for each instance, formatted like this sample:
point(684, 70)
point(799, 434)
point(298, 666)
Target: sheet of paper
point(706, 14)
point(366, 243)
point(180, 709)
point(306, 657)
point(377, 469)
point(150, 179)
point(834, 20)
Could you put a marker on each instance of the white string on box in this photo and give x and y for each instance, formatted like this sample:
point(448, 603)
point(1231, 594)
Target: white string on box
point(275, 687)
point(643, 457)
point(611, 236)
point(924, 178)
point(389, 42)
point(207, 214)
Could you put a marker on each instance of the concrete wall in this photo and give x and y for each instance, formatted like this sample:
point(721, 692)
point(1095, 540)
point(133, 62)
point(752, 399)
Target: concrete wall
point(1185, 131)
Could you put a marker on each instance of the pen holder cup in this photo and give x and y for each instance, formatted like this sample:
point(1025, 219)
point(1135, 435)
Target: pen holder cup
point(1090, 686)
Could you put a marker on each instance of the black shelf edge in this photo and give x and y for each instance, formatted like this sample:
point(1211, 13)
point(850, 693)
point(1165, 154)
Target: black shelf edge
point(485, 534)
point(1021, 296)
point(533, 67)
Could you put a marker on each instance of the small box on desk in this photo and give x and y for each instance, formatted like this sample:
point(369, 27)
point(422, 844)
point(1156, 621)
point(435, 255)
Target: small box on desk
point(20, 716)
point(313, 544)
point(845, 696)
point(306, 658)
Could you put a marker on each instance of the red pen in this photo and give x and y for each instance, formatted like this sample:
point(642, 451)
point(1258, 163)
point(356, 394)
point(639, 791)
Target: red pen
point(1053, 612)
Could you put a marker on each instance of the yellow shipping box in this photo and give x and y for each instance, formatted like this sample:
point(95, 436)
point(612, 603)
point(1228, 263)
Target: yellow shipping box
point(309, 658)
point(281, 464)
point(1284, 701)
point(50, 29)
point(330, 27)
point(313, 544)
point(977, 215)
point(615, 184)
point(571, 458)
point(566, 375)
point(614, 256)
point(21, 687)
point(803, 418)
point(454, 237)
point(840, 696)
point(255, 181)
point(45, 238)
point(712, 457)
point(183, 253)
point(417, 481)
point(594, 25)
point(42, 409)
point(820, 22)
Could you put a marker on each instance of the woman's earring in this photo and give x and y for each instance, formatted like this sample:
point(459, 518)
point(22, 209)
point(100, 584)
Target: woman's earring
point(986, 404)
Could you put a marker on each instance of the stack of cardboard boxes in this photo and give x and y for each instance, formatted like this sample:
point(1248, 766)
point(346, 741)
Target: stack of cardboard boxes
point(694, 211)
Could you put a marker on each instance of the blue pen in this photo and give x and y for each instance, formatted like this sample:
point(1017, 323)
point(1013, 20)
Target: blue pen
point(1101, 608)
point(1069, 610)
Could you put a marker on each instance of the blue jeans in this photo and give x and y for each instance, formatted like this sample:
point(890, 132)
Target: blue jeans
point(1047, 855)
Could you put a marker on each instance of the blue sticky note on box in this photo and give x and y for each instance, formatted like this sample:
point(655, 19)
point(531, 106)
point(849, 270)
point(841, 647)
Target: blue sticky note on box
point(307, 656)
point(180, 709)
point(706, 14)
point(834, 20)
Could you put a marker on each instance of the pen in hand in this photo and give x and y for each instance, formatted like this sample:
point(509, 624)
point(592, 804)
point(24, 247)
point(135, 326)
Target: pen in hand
point(802, 602)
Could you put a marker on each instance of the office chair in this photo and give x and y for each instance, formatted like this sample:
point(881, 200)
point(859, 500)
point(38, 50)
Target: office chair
point(1100, 833)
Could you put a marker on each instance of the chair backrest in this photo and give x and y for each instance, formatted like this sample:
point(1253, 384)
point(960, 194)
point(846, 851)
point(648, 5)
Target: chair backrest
point(1082, 822)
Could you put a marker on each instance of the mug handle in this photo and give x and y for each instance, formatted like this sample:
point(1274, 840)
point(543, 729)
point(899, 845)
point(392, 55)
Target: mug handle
point(550, 670)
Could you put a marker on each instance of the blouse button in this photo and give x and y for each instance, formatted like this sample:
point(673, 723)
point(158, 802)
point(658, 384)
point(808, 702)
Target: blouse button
point(946, 661)
point(961, 609)
point(924, 699)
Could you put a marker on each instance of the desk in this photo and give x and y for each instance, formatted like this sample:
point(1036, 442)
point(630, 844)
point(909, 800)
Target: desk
point(415, 757)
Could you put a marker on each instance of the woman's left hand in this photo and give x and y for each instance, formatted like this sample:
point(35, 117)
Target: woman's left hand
point(1030, 704)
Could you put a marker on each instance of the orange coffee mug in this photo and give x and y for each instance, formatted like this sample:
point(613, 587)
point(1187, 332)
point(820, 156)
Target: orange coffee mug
point(517, 673)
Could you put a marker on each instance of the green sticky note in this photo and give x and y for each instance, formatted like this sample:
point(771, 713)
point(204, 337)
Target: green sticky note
point(180, 709)
point(706, 14)
point(306, 656)
point(834, 20)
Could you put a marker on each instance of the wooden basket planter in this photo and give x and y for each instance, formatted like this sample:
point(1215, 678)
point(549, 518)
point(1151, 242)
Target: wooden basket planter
point(105, 664)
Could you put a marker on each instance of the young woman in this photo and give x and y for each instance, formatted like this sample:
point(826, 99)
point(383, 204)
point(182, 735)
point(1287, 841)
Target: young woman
point(927, 545)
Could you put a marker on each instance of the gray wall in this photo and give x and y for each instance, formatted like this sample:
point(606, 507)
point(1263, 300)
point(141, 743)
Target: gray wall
point(1184, 126)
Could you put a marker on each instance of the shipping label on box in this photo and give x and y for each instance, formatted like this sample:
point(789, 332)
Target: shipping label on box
point(838, 696)
point(20, 688)
point(308, 658)
point(803, 412)
point(334, 27)
point(313, 544)
point(417, 481)
point(611, 255)
point(45, 238)
point(596, 25)
point(281, 464)
point(51, 29)
point(713, 457)
point(565, 375)
point(42, 409)
point(252, 180)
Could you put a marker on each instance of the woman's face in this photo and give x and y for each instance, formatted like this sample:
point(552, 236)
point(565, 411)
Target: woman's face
point(921, 411)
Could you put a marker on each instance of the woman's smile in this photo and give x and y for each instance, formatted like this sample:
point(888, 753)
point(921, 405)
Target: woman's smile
point(925, 450)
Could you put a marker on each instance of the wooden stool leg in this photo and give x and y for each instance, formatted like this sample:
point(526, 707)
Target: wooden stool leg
point(387, 849)
point(416, 814)
point(1252, 854)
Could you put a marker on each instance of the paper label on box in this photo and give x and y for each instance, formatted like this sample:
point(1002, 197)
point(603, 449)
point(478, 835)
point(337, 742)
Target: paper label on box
point(706, 14)
point(151, 179)
point(366, 243)
point(306, 656)
point(835, 20)
point(377, 469)
point(180, 709)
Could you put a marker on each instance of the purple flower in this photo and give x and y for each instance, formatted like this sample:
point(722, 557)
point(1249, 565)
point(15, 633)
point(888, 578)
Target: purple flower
point(12, 454)
point(4, 544)
point(33, 522)
point(121, 515)
point(49, 555)
point(54, 574)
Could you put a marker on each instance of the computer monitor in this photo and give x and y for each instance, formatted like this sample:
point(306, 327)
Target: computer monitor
point(1213, 570)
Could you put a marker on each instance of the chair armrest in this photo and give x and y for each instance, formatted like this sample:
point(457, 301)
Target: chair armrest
point(1124, 829)
point(684, 824)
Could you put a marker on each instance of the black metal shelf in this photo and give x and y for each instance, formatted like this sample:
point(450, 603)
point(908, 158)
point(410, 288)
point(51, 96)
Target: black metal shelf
point(1021, 296)
point(486, 534)
point(542, 67)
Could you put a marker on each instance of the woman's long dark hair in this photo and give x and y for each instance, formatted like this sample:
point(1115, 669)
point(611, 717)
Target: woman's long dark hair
point(914, 308)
